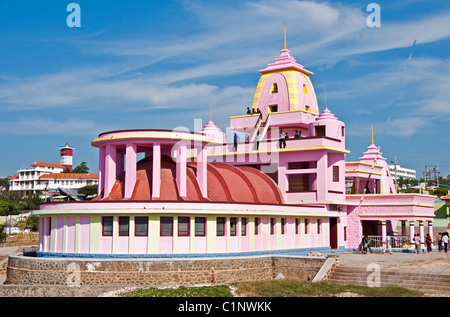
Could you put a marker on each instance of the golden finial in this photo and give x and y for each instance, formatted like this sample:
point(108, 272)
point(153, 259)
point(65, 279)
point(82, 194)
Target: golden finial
point(285, 46)
point(372, 133)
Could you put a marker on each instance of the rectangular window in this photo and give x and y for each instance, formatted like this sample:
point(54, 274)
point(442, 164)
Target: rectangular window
point(319, 224)
point(243, 226)
point(183, 226)
point(297, 225)
point(273, 222)
point(220, 231)
point(306, 225)
point(257, 222)
point(124, 226)
point(49, 228)
point(343, 130)
point(200, 226)
point(107, 226)
point(233, 222)
point(166, 226)
point(320, 130)
point(335, 173)
point(283, 225)
point(141, 226)
point(345, 233)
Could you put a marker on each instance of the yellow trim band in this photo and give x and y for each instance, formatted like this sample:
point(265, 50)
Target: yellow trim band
point(324, 147)
point(156, 136)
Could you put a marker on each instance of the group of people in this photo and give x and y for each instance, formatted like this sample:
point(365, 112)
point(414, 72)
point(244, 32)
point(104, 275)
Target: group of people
point(253, 111)
point(284, 136)
point(442, 243)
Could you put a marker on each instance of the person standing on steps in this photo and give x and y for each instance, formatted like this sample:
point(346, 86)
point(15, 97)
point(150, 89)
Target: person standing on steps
point(258, 139)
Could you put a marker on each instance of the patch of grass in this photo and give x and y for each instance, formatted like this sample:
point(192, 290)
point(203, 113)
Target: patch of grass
point(182, 291)
point(294, 288)
point(274, 288)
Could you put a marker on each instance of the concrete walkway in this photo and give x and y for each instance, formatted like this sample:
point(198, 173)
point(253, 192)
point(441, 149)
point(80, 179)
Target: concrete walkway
point(434, 261)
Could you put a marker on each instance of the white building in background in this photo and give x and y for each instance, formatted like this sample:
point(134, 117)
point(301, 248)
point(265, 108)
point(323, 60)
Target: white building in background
point(28, 179)
point(54, 181)
point(405, 173)
point(49, 178)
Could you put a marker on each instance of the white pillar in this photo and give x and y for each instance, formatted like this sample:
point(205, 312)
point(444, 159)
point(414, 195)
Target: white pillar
point(101, 171)
point(110, 168)
point(156, 176)
point(421, 232)
point(430, 229)
point(383, 233)
point(411, 233)
point(130, 173)
point(322, 177)
point(202, 175)
point(181, 170)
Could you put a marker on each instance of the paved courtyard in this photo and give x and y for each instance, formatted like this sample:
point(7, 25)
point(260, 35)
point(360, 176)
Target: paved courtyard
point(433, 261)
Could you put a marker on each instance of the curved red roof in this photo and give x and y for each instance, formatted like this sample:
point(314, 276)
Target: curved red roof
point(226, 183)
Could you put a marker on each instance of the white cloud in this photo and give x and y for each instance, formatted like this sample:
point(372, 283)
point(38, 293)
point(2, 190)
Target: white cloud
point(237, 40)
point(39, 126)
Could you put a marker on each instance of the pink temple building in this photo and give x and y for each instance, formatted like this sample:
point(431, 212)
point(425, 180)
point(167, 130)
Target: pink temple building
point(192, 194)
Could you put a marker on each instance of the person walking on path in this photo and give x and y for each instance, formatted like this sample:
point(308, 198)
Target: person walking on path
point(439, 241)
point(417, 243)
point(388, 245)
point(429, 242)
point(365, 244)
point(445, 242)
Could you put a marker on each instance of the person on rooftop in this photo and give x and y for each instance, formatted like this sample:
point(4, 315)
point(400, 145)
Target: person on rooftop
point(235, 141)
point(258, 139)
point(282, 139)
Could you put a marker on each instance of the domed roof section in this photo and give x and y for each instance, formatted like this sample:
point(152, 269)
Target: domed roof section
point(326, 115)
point(213, 132)
point(285, 61)
point(373, 153)
point(226, 183)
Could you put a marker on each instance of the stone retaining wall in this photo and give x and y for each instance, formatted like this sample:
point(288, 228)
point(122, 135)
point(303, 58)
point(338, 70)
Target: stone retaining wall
point(54, 290)
point(23, 270)
point(3, 265)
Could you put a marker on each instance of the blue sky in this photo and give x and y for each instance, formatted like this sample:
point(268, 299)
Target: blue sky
point(159, 65)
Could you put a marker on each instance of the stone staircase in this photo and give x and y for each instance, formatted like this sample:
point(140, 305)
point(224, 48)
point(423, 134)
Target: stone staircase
point(422, 281)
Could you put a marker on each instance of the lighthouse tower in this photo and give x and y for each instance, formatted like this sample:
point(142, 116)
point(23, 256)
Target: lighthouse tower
point(66, 153)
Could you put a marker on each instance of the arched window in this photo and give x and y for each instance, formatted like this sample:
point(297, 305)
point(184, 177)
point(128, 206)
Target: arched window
point(305, 91)
point(274, 89)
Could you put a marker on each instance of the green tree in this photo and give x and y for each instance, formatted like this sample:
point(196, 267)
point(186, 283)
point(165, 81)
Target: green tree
point(7, 208)
point(4, 183)
point(88, 190)
point(32, 222)
point(82, 168)
point(441, 191)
